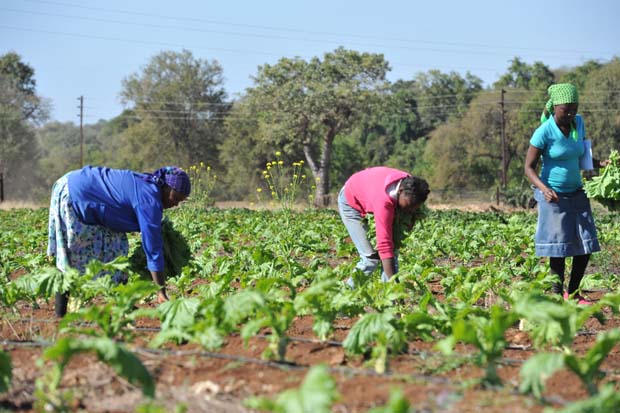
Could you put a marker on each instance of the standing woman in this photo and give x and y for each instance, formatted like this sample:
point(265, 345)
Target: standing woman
point(380, 191)
point(93, 208)
point(565, 223)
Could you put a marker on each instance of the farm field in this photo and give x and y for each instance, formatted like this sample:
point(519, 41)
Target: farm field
point(260, 317)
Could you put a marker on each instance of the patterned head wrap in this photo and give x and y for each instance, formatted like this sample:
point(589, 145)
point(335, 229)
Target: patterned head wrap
point(559, 94)
point(173, 176)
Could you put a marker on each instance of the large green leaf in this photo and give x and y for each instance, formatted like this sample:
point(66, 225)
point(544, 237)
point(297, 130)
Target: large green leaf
point(316, 394)
point(587, 367)
point(397, 403)
point(242, 305)
point(47, 282)
point(607, 400)
point(178, 313)
point(537, 369)
point(121, 360)
point(368, 329)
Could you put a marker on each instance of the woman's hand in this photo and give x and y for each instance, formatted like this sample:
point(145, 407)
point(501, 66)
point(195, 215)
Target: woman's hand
point(159, 279)
point(550, 195)
point(604, 163)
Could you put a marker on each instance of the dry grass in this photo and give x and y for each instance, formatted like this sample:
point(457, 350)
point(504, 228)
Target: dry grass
point(6, 205)
point(259, 206)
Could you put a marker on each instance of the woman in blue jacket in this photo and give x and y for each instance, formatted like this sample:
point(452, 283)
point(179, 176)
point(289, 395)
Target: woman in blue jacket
point(93, 208)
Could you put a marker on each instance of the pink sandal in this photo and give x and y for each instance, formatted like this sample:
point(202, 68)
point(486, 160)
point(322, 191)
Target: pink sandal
point(580, 299)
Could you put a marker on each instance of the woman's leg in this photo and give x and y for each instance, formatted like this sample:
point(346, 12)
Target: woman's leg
point(356, 226)
point(558, 266)
point(61, 302)
point(57, 237)
point(580, 262)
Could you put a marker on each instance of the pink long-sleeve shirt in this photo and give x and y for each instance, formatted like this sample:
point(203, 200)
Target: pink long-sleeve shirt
point(367, 192)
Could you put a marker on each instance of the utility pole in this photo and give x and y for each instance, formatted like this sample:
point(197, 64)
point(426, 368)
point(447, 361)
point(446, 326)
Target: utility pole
point(503, 142)
point(1, 187)
point(81, 115)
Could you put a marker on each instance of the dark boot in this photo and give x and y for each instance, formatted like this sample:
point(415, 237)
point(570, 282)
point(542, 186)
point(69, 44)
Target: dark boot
point(61, 304)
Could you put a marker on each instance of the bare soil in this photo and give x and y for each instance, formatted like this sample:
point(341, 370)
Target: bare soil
point(220, 381)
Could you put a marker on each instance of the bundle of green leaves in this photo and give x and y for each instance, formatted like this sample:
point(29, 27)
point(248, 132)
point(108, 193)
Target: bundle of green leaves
point(403, 224)
point(177, 253)
point(605, 188)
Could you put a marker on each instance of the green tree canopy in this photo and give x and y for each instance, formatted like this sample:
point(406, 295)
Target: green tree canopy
point(184, 103)
point(309, 103)
point(520, 75)
point(599, 103)
point(440, 96)
point(20, 110)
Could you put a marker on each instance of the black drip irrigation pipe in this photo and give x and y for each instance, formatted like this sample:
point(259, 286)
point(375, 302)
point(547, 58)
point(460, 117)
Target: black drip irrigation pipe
point(582, 332)
point(310, 340)
point(293, 366)
point(244, 359)
point(316, 341)
point(503, 360)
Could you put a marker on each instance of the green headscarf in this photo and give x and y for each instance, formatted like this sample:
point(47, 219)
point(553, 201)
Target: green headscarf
point(559, 94)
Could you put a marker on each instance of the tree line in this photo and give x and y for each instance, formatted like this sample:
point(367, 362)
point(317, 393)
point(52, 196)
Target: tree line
point(338, 113)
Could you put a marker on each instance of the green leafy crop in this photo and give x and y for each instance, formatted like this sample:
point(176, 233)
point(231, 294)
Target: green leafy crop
point(177, 252)
point(605, 188)
point(316, 394)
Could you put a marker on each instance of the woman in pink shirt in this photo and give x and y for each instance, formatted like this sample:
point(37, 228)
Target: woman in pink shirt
point(380, 191)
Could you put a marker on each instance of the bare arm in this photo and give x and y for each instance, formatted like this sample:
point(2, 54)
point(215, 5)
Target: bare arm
point(531, 161)
point(388, 267)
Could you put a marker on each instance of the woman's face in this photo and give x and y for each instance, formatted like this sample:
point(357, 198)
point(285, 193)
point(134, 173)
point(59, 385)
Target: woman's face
point(172, 198)
point(406, 204)
point(565, 113)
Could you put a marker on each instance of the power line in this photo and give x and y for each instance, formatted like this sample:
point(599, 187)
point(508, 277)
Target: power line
point(212, 49)
point(439, 110)
point(277, 37)
point(297, 30)
point(241, 51)
point(145, 42)
point(422, 97)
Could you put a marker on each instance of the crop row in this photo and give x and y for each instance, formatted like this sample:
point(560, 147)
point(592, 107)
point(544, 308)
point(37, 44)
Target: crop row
point(464, 278)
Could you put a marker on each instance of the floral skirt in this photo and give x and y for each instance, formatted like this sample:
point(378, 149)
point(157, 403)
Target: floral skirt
point(75, 244)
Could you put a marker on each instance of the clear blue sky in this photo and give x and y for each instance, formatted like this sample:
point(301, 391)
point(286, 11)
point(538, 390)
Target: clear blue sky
point(86, 47)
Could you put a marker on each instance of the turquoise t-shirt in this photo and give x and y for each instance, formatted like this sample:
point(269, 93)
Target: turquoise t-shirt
point(560, 155)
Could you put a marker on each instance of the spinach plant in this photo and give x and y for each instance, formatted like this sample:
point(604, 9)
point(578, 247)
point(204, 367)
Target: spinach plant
point(316, 394)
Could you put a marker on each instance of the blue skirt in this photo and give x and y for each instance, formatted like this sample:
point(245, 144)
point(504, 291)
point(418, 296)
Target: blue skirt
point(565, 228)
